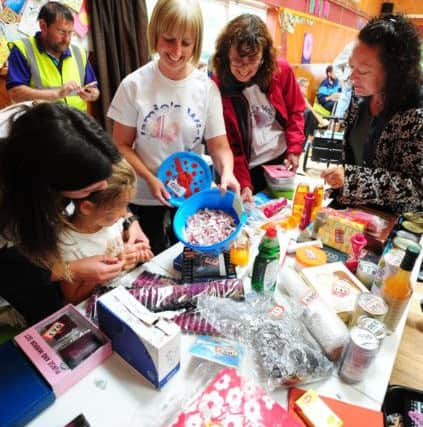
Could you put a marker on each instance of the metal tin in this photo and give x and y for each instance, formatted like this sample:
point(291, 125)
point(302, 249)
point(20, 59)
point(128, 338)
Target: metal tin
point(416, 217)
point(366, 272)
point(407, 235)
point(370, 305)
point(402, 243)
point(373, 325)
point(359, 354)
point(412, 227)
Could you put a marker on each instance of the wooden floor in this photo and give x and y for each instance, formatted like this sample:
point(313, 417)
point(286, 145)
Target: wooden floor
point(408, 368)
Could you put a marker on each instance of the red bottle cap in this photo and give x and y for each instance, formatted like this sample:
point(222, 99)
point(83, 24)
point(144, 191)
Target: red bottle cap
point(271, 232)
point(310, 196)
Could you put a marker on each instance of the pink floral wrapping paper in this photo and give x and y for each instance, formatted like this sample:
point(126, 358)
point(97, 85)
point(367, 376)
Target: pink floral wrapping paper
point(232, 401)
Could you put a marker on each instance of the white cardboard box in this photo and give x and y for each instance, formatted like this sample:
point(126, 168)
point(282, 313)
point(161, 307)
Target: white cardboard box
point(148, 342)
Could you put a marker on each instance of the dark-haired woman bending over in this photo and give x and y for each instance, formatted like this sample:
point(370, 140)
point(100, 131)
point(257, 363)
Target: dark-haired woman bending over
point(52, 154)
point(262, 103)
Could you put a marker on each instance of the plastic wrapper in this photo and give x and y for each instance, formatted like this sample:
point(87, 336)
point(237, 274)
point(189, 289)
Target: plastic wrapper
point(159, 294)
point(286, 353)
point(232, 400)
point(209, 226)
point(192, 322)
point(211, 395)
point(320, 319)
point(177, 396)
point(373, 224)
point(337, 232)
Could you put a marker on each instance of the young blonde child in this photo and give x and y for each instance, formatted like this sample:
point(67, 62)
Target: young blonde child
point(97, 228)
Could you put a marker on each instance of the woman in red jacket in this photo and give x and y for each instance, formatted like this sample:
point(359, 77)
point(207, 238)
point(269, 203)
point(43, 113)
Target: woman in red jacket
point(262, 102)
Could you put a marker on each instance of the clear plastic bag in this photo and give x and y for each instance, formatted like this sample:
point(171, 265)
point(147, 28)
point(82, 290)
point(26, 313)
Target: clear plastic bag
point(284, 350)
point(176, 398)
point(213, 395)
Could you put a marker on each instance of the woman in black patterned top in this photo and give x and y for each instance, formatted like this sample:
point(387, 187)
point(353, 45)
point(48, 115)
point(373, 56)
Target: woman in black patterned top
point(383, 145)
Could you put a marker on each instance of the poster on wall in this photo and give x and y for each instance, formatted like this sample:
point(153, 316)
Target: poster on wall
point(8, 16)
point(15, 5)
point(307, 48)
point(81, 24)
point(4, 50)
point(75, 5)
point(326, 9)
point(29, 24)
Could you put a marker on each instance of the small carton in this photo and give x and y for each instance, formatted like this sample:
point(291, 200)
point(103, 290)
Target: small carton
point(147, 341)
point(337, 232)
point(337, 286)
point(315, 412)
point(64, 347)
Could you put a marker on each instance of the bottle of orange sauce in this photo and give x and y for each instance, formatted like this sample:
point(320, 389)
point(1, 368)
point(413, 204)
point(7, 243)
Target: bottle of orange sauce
point(397, 289)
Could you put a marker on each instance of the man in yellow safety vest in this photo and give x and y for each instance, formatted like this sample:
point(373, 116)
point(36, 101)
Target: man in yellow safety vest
point(47, 67)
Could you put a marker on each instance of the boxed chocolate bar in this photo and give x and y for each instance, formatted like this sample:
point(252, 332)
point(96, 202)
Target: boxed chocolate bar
point(64, 347)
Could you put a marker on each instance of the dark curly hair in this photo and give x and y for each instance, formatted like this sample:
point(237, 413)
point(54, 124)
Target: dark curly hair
point(249, 35)
point(398, 43)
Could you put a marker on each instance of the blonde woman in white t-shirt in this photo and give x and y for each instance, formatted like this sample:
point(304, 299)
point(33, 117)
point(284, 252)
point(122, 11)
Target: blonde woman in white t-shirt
point(166, 106)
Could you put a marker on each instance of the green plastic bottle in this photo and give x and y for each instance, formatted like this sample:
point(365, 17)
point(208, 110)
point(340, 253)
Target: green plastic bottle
point(266, 264)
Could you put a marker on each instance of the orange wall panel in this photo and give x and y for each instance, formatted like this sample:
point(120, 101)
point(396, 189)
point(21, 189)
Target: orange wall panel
point(414, 7)
point(370, 7)
point(328, 38)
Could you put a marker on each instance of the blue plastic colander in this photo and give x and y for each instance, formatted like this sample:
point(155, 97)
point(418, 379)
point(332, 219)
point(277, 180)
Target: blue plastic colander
point(211, 199)
point(184, 174)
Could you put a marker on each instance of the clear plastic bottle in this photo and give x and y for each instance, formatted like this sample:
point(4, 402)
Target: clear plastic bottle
point(266, 264)
point(239, 253)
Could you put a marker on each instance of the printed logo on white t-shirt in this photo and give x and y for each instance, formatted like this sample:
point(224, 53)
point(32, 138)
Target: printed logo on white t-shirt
point(262, 115)
point(268, 137)
point(171, 122)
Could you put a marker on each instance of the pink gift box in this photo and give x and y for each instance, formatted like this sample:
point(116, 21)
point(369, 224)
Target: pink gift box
point(49, 362)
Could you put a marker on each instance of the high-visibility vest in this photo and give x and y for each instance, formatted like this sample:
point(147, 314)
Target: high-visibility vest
point(46, 75)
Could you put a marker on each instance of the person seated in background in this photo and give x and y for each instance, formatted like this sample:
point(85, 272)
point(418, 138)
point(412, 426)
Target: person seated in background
point(47, 67)
point(96, 227)
point(312, 119)
point(383, 143)
point(262, 103)
point(329, 90)
point(341, 68)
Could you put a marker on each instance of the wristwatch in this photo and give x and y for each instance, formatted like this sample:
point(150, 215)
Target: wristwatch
point(128, 221)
